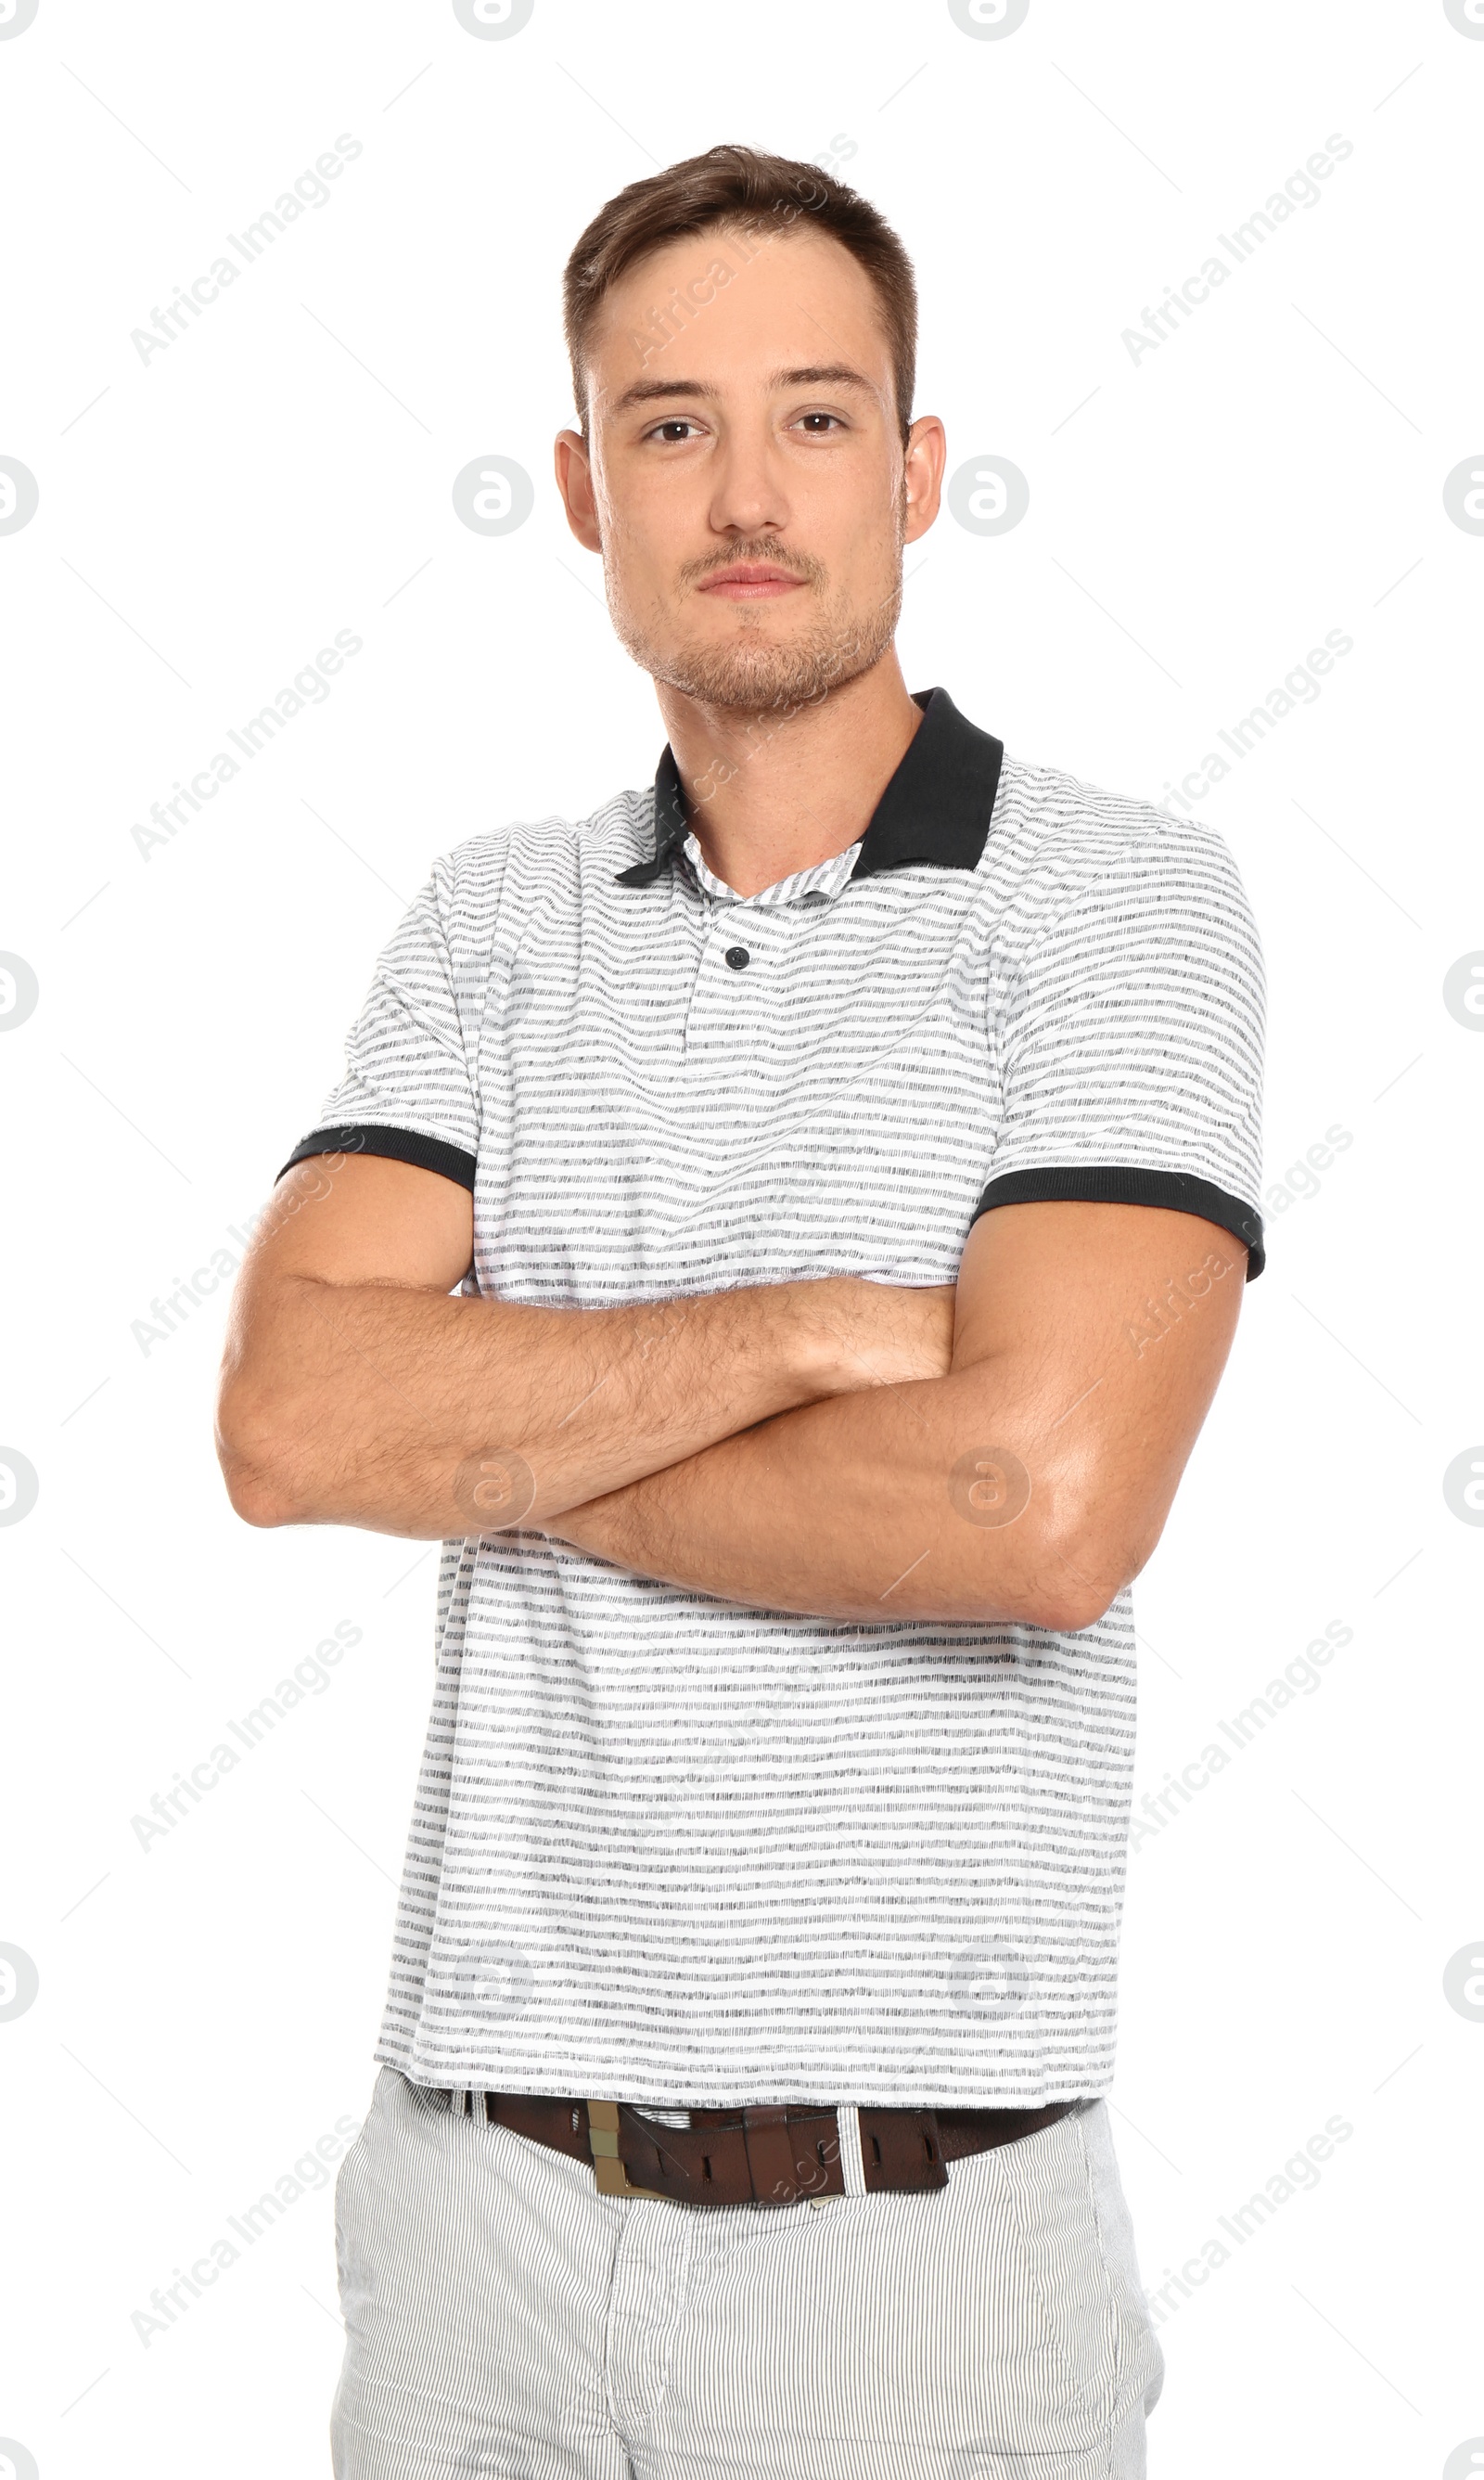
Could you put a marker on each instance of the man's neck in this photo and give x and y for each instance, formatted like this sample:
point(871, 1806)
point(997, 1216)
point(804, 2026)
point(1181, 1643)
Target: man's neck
point(774, 793)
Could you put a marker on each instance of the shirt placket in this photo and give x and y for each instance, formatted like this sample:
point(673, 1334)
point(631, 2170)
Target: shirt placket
point(727, 930)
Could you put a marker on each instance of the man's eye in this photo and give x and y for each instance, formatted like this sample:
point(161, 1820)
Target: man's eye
point(820, 416)
point(661, 428)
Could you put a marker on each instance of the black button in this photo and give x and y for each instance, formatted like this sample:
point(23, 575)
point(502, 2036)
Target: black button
point(738, 958)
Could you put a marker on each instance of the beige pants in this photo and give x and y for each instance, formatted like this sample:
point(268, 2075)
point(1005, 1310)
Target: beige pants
point(503, 2317)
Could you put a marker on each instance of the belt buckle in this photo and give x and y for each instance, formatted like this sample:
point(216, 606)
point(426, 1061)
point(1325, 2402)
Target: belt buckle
point(609, 2174)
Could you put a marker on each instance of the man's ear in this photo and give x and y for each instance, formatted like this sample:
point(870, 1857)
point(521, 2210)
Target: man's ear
point(925, 462)
point(574, 481)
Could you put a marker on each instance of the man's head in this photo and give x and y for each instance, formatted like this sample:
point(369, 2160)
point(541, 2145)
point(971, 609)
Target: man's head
point(743, 337)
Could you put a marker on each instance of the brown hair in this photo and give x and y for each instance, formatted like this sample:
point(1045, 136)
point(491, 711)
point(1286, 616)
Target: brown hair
point(747, 191)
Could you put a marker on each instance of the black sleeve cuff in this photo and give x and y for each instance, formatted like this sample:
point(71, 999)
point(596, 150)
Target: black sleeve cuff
point(1127, 1184)
point(395, 1144)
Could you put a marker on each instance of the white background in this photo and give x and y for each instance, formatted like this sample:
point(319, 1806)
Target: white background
point(1198, 519)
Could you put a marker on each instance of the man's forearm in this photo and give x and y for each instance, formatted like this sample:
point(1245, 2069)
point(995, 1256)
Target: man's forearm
point(891, 1504)
point(413, 1412)
point(1028, 1483)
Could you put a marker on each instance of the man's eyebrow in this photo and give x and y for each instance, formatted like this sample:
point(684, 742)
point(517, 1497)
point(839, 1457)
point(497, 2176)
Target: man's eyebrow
point(823, 375)
point(814, 374)
point(645, 391)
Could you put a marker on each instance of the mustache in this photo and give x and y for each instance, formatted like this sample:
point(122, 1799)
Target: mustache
point(799, 565)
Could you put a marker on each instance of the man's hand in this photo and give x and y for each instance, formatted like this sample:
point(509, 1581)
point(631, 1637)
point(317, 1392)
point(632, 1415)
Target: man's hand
point(1030, 1484)
point(355, 1390)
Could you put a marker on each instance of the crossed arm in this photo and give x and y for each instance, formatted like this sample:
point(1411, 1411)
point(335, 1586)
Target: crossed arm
point(1008, 1449)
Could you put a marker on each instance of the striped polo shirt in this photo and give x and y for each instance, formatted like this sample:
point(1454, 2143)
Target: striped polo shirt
point(670, 1849)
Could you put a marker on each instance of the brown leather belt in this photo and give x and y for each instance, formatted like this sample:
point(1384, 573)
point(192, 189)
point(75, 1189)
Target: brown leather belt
point(780, 2154)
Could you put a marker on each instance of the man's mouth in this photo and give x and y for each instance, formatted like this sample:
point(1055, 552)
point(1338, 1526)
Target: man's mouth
point(751, 581)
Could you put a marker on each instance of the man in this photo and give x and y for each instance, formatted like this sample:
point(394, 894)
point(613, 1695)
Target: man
point(845, 1156)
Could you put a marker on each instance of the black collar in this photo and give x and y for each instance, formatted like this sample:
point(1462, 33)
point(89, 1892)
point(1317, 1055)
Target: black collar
point(936, 808)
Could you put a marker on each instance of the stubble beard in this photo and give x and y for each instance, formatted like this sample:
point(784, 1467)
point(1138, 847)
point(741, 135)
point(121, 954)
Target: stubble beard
point(752, 674)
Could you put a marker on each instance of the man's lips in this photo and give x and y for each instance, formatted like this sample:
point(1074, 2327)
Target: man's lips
point(751, 581)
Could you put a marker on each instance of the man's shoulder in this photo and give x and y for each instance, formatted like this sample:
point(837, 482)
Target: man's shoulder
point(474, 876)
point(1045, 813)
point(1056, 840)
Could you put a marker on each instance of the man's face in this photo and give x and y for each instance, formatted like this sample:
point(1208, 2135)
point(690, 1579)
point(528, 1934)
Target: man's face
point(755, 429)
